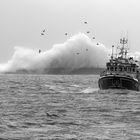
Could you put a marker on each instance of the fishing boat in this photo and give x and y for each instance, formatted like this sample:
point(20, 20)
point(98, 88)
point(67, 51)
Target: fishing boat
point(122, 71)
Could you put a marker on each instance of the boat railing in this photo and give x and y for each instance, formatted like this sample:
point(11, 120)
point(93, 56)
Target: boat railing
point(122, 73)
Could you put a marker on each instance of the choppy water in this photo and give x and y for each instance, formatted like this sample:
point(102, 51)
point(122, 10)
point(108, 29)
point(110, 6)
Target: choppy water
point(64, 107)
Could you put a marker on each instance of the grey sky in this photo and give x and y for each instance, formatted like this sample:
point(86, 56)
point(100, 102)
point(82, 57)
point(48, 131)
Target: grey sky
point(21, 22)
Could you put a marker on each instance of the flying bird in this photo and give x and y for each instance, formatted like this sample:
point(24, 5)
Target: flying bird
point(85, 22)
point(43, 30)
point(93, 37)
point(42, 34)
point(88, 32)
point(39, 51)
point(66, 33)
point(97, 43)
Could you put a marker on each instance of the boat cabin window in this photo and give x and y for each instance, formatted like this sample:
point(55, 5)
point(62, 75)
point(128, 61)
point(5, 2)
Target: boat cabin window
point(111, 68)
point(125, 69)
point(108, 68)
point(120, 68)
point(129, 69)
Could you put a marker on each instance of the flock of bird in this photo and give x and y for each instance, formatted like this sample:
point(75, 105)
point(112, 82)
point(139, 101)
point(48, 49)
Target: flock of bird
point(44, 31)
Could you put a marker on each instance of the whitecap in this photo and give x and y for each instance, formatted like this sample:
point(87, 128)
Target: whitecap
point(75, 85)
point(90, 90)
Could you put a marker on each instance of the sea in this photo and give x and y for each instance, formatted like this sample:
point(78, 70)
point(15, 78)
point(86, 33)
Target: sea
point(66, 107)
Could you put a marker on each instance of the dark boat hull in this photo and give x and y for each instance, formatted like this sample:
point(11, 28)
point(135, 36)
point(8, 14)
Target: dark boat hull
point(118, 82)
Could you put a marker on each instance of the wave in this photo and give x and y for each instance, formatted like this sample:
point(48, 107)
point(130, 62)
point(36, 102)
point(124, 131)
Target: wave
point(78, 54)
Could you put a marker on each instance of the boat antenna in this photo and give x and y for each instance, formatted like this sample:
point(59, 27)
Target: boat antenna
point(112, 52)
point(123, 42)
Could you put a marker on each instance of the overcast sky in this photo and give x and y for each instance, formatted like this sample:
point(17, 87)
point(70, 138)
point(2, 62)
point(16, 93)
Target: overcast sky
point(22, 21)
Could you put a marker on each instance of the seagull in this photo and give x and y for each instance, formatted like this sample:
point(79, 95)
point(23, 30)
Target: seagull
point(39, 51)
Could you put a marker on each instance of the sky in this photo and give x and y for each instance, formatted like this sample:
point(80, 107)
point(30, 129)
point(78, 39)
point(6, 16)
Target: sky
point(22, 21)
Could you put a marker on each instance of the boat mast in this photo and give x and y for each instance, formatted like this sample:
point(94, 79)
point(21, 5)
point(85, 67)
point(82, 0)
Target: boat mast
point(123, 50)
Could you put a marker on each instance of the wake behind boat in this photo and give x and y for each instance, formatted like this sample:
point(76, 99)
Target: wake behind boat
point(122, 72)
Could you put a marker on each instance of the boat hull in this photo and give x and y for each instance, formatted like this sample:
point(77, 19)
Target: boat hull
point(118, 82)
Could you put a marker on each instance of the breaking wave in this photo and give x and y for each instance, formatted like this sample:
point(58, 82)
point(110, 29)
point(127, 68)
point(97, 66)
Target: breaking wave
point(78, 52)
